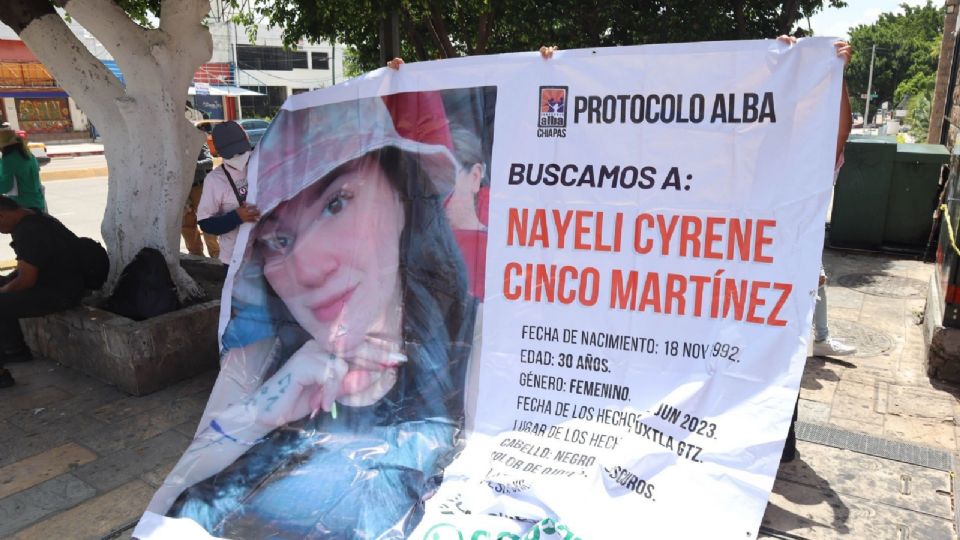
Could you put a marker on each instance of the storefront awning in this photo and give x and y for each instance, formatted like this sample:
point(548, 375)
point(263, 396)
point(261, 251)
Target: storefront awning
point(32, 93)
point(223, 91)
point(14, 50)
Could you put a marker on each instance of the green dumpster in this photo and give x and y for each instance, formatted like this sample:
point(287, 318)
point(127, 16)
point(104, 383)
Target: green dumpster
point(914, 191)
point(860, 198)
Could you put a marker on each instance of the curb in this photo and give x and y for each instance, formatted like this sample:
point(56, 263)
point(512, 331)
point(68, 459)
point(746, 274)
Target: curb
point(70, 174)
point(57, 155)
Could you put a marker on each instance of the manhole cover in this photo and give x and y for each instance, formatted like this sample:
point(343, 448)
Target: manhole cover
point(868, 341)
point(884, 285)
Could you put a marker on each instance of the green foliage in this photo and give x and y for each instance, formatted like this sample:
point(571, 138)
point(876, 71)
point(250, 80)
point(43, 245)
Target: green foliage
point(908, 46)
point(918, 116)
point(141, 11)
point(920, 84)
point(351, 63)
point(433, 29)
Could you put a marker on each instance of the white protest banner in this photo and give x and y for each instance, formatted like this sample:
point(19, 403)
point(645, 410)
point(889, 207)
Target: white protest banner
point(508, 297)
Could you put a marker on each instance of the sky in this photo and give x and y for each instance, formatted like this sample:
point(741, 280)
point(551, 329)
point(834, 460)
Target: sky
point(836, 22)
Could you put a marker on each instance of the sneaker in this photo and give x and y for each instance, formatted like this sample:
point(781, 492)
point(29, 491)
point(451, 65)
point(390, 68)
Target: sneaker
point(6, 379)
point(832, 347)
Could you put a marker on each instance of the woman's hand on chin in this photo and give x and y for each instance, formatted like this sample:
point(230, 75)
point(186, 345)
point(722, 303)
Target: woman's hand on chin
point(307, 383)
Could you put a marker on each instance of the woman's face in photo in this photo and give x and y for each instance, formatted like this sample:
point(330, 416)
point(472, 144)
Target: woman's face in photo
point(332, 255)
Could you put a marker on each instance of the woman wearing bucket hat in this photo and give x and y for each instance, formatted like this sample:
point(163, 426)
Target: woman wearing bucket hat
point(19, 172)
point(341, 400)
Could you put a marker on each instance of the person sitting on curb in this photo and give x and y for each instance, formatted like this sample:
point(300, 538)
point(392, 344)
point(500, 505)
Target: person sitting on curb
point(47, 279)
point(223, 207)
point(20, 172)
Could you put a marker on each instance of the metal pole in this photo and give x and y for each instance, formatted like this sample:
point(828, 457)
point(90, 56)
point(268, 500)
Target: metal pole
point(333, 63)
point(866, 111)
point(236, 65)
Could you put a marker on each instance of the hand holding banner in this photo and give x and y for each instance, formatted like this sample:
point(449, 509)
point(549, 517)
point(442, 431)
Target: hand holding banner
point(611, 347)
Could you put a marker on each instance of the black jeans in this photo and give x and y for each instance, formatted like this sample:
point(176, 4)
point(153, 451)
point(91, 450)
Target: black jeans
point(33, 302)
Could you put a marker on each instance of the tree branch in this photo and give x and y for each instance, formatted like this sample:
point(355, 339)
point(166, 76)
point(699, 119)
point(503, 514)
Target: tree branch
point(110, 24)
point(84, 77)
point(740, 19)
point(414, 36)
point(19, 15)
point(483, 30)
point(178, 17)
point(440, 30)
point(788, 15)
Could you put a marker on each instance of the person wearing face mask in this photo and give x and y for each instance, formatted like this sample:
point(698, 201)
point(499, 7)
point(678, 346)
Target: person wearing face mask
point(223, 207)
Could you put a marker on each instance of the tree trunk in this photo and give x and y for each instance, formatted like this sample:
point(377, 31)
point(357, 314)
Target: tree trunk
point(414, 36)
point(483, 30)
point(789, 15)
point(740, 19)
point(440, 32)
point(150, 146)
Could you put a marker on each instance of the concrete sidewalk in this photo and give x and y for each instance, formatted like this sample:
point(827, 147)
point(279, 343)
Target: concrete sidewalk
point(73, 150)
point(877, 439)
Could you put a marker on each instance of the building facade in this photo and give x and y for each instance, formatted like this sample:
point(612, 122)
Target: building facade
point(262, 67)
point(244, 78)
point(30, 97)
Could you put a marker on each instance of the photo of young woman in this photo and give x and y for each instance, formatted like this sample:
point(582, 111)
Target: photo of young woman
point(341, 393)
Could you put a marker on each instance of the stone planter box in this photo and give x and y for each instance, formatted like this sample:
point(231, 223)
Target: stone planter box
point(138, 357)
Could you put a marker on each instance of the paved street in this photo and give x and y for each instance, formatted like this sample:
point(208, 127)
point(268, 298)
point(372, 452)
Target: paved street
point(71, 168)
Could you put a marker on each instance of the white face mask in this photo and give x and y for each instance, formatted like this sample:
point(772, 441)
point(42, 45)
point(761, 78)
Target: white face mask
point(237, 162)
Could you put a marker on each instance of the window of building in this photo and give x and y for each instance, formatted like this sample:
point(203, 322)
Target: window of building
point(265, 106)
point(270, 58)
point(320, 60)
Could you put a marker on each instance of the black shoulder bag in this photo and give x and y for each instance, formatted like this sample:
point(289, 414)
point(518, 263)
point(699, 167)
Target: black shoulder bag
point(240, 198)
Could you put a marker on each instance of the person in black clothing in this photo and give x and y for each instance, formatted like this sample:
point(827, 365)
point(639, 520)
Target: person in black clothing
point(45, 281)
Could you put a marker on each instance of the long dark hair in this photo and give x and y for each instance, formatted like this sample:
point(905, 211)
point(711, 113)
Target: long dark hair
point(438, 319)
point(437, 314)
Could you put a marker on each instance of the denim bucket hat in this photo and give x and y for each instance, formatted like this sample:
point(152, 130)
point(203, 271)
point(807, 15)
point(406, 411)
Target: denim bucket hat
point(304, 145)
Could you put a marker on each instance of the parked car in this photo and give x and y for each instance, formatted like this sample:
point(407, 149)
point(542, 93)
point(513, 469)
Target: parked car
point(255, 129)
point(207, 127)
